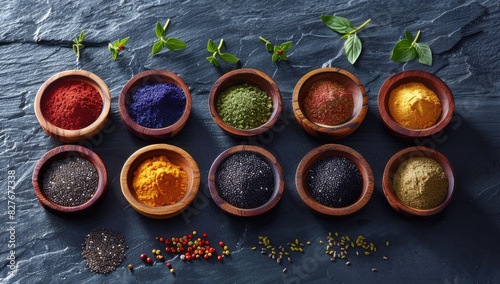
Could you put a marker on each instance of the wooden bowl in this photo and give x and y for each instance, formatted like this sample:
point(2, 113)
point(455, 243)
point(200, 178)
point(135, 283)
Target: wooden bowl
point(350, 82)
point(175, 155)
point(73, 136)
point(279, 183)
point(329, 150)
point(392, 166)
point(252, 77)
point(60, 153)
point(150, 77)
point(430, 81)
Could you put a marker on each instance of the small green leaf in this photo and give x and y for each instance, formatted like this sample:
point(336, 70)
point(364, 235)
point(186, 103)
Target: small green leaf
point(269, 46)
point(403, 51)
point(124, 41)
point(275, 57)
point(115, 55)
point(111, 47)
point(81, 37)
point(213, 60)
point(229, 57)
point(424, 53)
point(175, 44)
point(157, 47)
point(409, 36)
point(286, 46)
point(159, 31)
point(283, 56)
point(352, 48)
point(211, 47)
point(337, 24)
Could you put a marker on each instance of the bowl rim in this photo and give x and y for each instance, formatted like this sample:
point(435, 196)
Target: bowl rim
point(54, 153)
point(159, 133)
point(394, 163)
point(334, 150)
point(218, 88)
point(278, 181)
point(427, 79)
point(166, 211)
point(333, 131)
point(75, 135)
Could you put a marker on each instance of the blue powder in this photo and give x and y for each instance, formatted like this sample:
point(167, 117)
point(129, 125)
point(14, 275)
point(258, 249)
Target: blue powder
point(157, 105)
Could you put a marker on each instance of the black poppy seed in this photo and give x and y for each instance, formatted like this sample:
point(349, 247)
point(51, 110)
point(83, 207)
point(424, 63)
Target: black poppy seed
point(103, 250)
point(335, 182)
point(71, 181)
point(245, 180)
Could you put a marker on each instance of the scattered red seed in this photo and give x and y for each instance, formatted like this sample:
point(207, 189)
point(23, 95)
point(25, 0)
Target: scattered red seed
point(204, 235)
point(149, 260)
point(220, 257)
point(144, 256)
point(221, 243)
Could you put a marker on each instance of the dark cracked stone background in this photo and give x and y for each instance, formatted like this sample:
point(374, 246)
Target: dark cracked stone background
point(460, 245)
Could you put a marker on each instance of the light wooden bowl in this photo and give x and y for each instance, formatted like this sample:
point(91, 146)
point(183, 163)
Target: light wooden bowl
point(392, 166)
point(252, 77)
point(177, 156)
point(60, 153)
point(149, 77)
point(430, 81)
point(73, 136)
point(329, 150)
point(279, 182)
point(350, 82)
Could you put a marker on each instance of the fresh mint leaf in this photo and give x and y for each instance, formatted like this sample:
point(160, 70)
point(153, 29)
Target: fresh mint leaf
point(424, 53)
point(286, 46)
point(159, 31)
point(117, 46)
point(403, 51)
point(279, 51)
point(211, 47)
point(229, 57)
point(409, 36)
point(157, 47)
point(175, 44)
point(352, 48)
point(215, 50)
point(408, 49)
point(338, 24)
point(170, 43)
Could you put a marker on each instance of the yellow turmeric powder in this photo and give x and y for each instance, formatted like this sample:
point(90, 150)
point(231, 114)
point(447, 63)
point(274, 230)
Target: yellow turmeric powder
point(158, 182)
point(413, 105)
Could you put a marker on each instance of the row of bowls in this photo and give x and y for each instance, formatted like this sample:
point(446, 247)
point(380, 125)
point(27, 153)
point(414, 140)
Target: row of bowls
point(188, 164)
point(265, 83)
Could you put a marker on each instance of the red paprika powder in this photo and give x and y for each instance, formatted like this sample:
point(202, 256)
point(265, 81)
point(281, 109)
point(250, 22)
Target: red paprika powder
point(72, 104)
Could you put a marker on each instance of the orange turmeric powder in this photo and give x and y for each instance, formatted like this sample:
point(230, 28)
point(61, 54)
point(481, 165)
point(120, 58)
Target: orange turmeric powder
point(158, 182)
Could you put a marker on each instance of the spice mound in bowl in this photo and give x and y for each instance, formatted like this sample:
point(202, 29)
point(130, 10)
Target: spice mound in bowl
point(418, 181)
point(246, 181)
point(334, 180)
point(329, 103)
point(73, 105)
point(415, 104)
point(160, 180)
point(69, 179)
point(245, 102)
point(155, 104)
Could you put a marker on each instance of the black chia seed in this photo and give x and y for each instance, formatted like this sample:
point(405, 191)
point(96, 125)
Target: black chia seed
point(103, 250)
point(245, 180)
point(71, 181)
point(335, 182)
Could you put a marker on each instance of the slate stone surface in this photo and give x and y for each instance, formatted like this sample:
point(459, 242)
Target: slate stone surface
point(458, 246)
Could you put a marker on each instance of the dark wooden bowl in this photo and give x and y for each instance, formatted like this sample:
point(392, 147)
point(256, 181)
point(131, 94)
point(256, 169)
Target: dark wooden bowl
point(149, 77)
point(430, 81)
point(392, 166)
point(350, 82)
point(279, 181)
point(177, 156)
point(252, 77)
point(60, 153)
point(73, 136)
point(329, 150)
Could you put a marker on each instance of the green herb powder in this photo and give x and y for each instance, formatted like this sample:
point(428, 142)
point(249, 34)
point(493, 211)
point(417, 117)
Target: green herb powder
point(244, 106)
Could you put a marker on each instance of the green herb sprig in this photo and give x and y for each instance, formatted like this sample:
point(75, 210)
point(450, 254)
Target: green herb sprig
point(78, 44)
point(117, 46)
point(344, 27)
point(408, 48)
point(215, 50)
point(279, 51)
point(171, 43)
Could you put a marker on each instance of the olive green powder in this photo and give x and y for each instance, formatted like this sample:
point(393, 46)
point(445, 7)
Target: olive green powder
point(244, 106)
point(420, 183)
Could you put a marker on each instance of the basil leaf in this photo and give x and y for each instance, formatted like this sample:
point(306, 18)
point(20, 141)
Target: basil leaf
point(213, 60)
point(424, 53)
point(275, 57)
point(286, 46)
point(403, 51)
point(159, 31)
point(352, 48)
point(157, 47)
point(115, 55)
point(229, 57)
point(283, 56)
point(175, 44)
point(124, 41)
point(409, 36)
point(337, 24)
point(211, 47)
point(269, 46)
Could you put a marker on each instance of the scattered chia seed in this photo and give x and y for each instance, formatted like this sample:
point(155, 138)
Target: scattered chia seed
point(103, 250)
point(245, 180)
point(335, 182)
point(71, 181)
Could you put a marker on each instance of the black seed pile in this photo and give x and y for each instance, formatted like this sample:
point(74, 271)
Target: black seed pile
point(71, 181)
point(245, 180)
point(335, 182)
point(103, 250)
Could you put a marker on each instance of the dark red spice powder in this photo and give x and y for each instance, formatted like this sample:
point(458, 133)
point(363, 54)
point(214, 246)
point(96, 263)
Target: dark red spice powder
point(328, 103)
point(72, 104)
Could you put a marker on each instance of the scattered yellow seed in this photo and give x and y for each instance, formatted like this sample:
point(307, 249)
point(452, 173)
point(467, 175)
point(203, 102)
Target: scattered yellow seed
point(130, 266)
point(367, 253)
point(297, 241)
point(194, 232)
point(261, 237)
point(387, 244)
point(308, 243)
point(254, 248)
point(352, 244)
point(321, 242)
point(172, 270)
point(336, 234)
